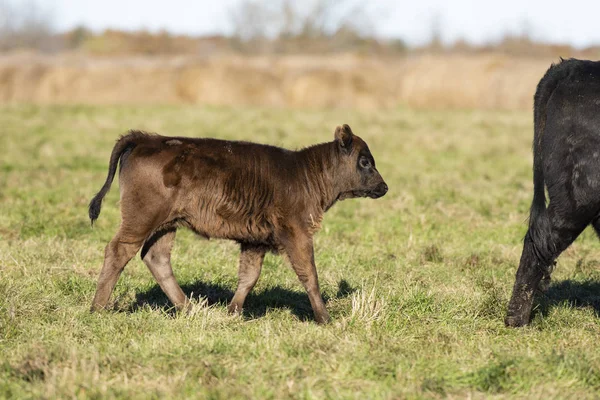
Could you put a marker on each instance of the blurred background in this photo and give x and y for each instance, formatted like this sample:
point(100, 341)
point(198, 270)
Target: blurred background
point(284, 53)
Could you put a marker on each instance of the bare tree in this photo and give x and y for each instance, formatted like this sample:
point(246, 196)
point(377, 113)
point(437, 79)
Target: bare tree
point(25, 26)
point(435, 39)
point(292, 25)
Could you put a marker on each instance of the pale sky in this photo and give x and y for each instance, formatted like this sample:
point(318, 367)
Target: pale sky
point(574, 22)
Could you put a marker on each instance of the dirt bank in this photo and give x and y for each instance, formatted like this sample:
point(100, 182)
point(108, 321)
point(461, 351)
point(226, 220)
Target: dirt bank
point(483, 81)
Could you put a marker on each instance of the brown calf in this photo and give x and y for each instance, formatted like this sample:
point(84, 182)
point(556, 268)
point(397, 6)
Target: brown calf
point(264, 197)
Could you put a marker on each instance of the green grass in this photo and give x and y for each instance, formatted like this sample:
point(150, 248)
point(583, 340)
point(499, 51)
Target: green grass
point(416, 282)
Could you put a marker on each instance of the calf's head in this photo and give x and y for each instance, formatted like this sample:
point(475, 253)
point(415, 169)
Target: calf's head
point(356, 174)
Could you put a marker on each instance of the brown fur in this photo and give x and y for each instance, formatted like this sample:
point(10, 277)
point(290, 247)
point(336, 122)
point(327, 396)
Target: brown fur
point(264, 197)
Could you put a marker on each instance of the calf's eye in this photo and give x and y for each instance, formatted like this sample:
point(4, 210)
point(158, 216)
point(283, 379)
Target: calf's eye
point(364, 162)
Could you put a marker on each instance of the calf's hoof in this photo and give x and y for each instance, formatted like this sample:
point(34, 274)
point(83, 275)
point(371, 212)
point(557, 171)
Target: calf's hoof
point(185, 308)
point(234, 309)
point(322, 318)
point(97, 307)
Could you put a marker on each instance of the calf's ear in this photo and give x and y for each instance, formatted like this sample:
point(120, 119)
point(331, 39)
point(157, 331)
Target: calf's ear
point(344, 135)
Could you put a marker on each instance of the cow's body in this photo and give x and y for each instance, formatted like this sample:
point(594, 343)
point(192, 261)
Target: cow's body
point(567, 162)
point(264, 197)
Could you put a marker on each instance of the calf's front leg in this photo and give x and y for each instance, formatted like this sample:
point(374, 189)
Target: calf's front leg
point(300, 251)
point(251, 260)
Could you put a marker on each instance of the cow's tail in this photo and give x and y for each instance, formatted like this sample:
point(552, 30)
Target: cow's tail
point(540, 231)
point(124, 143)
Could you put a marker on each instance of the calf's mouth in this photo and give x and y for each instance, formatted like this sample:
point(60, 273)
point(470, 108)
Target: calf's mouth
point(379, 191)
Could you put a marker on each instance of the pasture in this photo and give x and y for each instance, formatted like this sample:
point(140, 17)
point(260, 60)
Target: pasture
point(416, 282)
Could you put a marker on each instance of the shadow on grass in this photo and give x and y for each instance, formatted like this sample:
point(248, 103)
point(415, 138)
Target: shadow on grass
point(575, 294)
point(255, 306)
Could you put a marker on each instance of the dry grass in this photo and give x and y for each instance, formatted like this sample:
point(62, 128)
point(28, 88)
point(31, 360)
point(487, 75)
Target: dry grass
point(367, 306)
point(343, 81)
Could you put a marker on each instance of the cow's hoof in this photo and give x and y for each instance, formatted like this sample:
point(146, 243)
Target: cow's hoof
point(515, 321)
point(544, 284)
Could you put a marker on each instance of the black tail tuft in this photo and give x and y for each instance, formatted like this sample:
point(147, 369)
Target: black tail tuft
point(94, 207)
point(540, 233)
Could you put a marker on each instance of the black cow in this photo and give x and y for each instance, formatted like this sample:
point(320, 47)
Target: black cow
point(566, 161)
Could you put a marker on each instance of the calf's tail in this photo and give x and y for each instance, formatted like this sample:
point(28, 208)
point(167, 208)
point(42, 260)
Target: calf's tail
point(540, 231)
point(123, 144)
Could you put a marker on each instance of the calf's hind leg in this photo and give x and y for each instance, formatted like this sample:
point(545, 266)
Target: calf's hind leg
point(116, 255)
point(564, 229)
point(156, 254)
point(251, 260)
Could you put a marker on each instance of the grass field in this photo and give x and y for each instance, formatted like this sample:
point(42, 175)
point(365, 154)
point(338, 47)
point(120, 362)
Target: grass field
point(416, 282)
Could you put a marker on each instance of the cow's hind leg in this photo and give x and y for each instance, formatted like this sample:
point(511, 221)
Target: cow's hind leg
point(156, 254)
point(251, 259)
point(539, 254)
point(116, 255)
